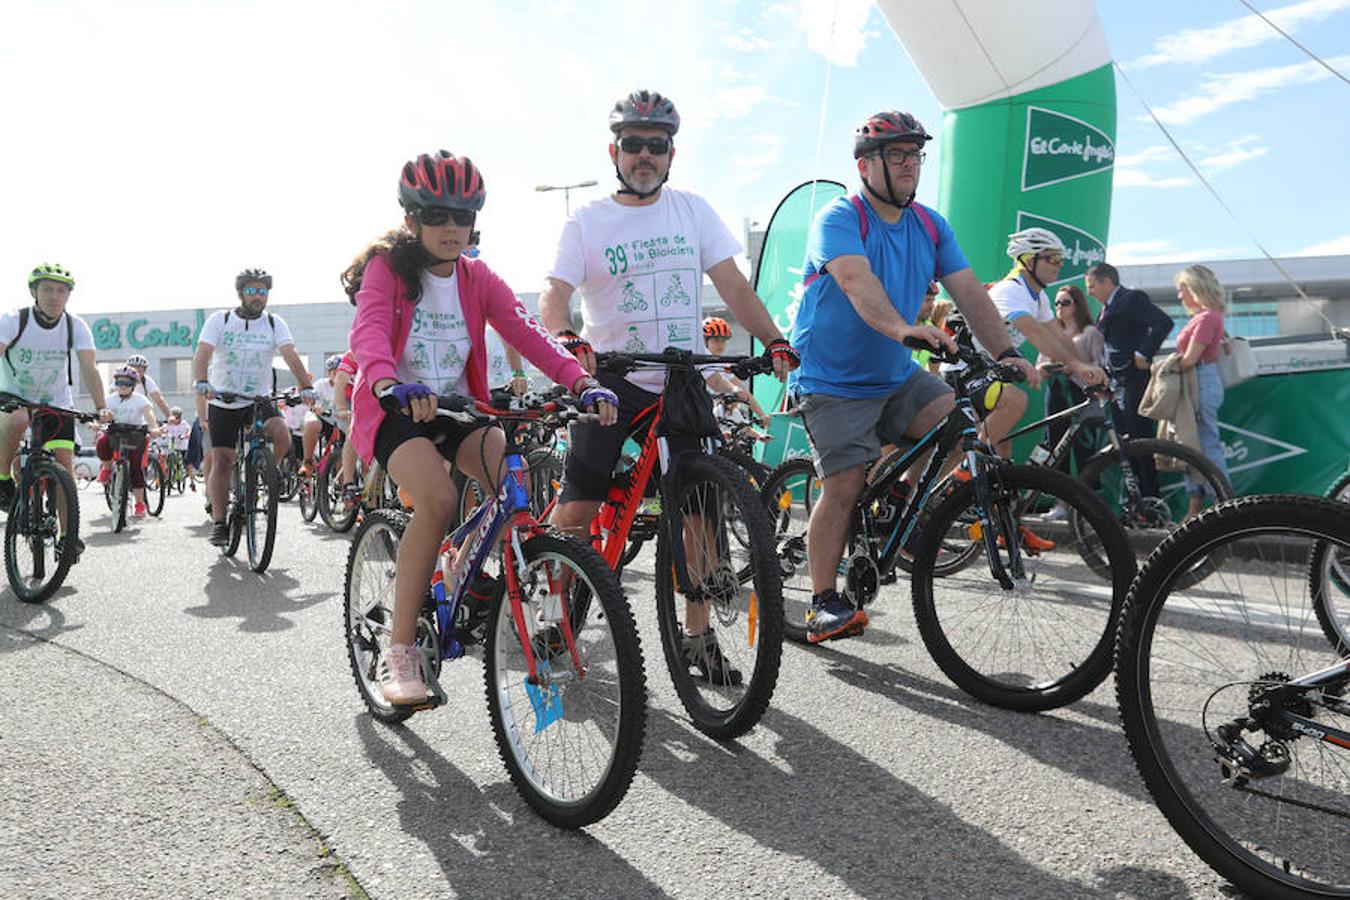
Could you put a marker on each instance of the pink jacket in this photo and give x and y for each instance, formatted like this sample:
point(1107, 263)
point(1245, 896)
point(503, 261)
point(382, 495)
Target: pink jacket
point(384, 321)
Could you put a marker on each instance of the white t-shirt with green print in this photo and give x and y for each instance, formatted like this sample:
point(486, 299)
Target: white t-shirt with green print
point(36, 367)
point(242, 353)
point(640, 273)
point(438, 344)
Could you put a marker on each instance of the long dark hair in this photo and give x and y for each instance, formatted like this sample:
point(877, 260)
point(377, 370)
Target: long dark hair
point(406, 256)
point(1081, 317)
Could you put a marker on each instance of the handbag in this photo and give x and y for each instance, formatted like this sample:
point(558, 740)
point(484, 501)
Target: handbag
point(1236, 361)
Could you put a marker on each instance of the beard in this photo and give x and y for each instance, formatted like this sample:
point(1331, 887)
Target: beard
point(644, 180)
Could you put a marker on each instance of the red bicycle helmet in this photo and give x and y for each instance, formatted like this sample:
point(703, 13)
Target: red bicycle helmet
point(714, 327)
point(441, 179)
point(884, 127)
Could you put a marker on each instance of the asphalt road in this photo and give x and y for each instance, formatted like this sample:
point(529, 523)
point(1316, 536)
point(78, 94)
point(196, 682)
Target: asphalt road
point(870, 776)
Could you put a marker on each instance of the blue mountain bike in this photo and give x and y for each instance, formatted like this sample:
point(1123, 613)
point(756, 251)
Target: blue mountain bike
point(561, 659)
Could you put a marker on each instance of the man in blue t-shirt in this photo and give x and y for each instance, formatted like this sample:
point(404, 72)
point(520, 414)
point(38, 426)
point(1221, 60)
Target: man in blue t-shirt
point(869, 260)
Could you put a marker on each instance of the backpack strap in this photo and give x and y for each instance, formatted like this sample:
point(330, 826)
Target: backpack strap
point(925, 219)
point(70, 343)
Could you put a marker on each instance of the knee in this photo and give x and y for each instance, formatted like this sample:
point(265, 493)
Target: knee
point(435, 501)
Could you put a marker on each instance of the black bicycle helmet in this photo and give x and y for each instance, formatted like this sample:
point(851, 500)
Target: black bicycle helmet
point(883, 127)
point(644, 108)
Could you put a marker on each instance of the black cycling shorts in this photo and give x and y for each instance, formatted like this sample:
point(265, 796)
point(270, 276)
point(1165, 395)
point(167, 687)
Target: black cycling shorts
point(447, 434)
point(225, 424)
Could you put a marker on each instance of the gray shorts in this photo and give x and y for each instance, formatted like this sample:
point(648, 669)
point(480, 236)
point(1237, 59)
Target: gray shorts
point(849, 431)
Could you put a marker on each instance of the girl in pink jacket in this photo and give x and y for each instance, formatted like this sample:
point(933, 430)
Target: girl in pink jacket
point(418, 333)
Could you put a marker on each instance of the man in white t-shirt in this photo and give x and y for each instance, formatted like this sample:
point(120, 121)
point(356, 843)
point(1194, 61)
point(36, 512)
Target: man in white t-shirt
point(1037, 254)
point(638, 257)
point(36, 349)
point(147, 386)
point(237, 347)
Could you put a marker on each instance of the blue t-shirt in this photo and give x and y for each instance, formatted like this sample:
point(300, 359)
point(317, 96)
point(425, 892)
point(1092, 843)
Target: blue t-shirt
point(842, 355)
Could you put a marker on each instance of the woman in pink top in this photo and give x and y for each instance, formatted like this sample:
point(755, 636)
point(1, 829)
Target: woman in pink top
point(420, 313)
point(1199, 291)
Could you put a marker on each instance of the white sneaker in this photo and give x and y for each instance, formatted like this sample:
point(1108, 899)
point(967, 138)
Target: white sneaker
point(1058, 514)
point(401, 676)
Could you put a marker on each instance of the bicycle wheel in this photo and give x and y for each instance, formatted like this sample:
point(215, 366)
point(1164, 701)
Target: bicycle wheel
point(1045, 639)
point(1148, 520)
point(756, 471)
point(37, 554)
point(288, 478)
point(790, 494)
point(309, 498)
point(121, 486)
point(1263, 804)
point(235, 506)
point(178, 470)
point(725, 676)
point(260, 507)
point(1329, 567)
point(368, 611)
point(334, 509)
point(571, 741)
point(156, 486)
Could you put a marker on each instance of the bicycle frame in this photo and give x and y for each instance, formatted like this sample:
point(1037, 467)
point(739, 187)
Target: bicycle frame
point(1059, 454)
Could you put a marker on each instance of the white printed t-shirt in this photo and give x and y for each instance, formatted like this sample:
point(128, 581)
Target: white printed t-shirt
point(36, 368)
point(640, 273)
point(242, 353)
point(438, 345)
point(128, 410)
point(1014, 299)
point(179, 434)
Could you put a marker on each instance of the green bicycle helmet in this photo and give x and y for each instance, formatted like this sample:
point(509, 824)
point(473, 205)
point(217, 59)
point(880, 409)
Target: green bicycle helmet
point(50, 272)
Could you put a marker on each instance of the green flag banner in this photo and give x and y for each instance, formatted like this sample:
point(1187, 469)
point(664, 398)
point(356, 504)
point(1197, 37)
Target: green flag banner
point(778, 282)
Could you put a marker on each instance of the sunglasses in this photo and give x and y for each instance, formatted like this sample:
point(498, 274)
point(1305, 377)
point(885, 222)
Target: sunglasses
point(439, 215)
point(121, 382)
point(256, 292)
point(1064, 301)
point(1054, 259)
point(656, 146)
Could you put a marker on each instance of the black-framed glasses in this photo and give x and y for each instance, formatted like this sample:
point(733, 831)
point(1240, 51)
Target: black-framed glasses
point(896, 156)
point(656, 146)
point(439, 215)
point(256, 291)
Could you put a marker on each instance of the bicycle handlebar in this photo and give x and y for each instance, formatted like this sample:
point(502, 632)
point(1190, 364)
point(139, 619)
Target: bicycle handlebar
point(671, 357)
point(976, 362)
point(284, 397)
point(556, 405)
point(11, 402)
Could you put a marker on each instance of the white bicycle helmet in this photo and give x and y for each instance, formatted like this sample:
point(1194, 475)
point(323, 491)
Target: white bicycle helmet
point(137, 359)
point(1033, 240)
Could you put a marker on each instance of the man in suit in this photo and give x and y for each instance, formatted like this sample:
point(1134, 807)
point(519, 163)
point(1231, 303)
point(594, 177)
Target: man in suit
point(1134, 328)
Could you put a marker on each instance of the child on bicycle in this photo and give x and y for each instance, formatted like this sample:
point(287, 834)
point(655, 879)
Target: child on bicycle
point(180, 434)
point(418, 334)
point(126, 407)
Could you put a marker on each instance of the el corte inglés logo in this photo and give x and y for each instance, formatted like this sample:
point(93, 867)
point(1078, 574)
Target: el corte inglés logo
point(1059, 148)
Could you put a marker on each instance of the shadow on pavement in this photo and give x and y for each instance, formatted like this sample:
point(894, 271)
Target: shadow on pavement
point(841, 813)
point(261, 602)
point(486, 840)
point(41, 620)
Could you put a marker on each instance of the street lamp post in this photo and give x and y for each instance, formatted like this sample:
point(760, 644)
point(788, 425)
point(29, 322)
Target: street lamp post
point(567, 191)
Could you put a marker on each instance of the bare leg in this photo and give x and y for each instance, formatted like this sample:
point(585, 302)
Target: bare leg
point(416, 466)
point(218, 481)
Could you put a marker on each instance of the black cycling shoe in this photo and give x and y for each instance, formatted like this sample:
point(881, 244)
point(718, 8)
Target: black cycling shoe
point(703, 653)
point(7, 494)
point(78, 550)
point(220, 534)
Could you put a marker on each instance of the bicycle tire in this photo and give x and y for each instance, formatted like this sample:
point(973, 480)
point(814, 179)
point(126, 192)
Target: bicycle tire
point(368, 611)
point(1329, 580)
point(234, 507)
point(1070, 625)
point(1180, 665)
point(261, 497)
point(47, 481)
point(1146, 529)
point(533, 731)
point(156, 486)
point(755, 470)
point(288, 478)
point(789, 495)
point(546, 472)
point(718, 706)
point(179, 470)
point(121, 487)
point(332, 505)
point(309, 499)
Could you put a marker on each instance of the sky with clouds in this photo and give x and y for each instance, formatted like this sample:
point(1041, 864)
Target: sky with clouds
point(158, 146)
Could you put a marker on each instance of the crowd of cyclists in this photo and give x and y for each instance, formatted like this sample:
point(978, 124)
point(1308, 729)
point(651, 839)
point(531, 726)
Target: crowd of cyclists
point(414, 395)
